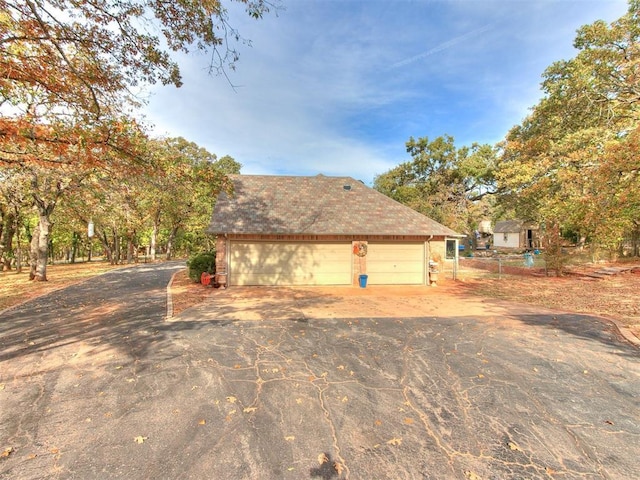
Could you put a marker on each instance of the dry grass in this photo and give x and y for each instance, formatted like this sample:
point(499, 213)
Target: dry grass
point(186, 293)
point(615, 297)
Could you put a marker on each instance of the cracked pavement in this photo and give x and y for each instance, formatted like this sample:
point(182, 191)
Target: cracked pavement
point(302, 383)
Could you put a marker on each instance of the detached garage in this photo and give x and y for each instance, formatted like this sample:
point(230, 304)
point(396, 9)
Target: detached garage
point(285, 230)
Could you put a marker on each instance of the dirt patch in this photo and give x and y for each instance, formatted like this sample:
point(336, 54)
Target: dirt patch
point(616, 297)
point(186, 293)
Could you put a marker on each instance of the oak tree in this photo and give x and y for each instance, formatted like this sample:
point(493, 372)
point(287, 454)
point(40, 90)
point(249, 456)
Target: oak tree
point(569, 163)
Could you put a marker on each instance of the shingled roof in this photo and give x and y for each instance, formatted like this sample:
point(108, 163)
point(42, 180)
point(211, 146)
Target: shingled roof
point(319, 205)
point(509, 226)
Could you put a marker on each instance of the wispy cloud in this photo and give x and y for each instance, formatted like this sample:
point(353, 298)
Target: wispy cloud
point(322, 91)
point(443, 46)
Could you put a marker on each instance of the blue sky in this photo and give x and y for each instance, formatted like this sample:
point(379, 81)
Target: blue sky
point(338, 86)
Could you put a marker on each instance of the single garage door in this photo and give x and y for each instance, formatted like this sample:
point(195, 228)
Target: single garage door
point(395, 263)
point(290, 263)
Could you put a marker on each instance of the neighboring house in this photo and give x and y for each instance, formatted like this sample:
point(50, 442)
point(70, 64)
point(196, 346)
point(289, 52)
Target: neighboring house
point(516, 234)
point(285, 230)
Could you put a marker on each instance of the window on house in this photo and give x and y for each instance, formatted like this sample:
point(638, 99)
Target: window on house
point(505, 237)
point(451, 249)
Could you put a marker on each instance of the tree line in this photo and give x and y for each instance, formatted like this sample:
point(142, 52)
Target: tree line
point(572, 165)
point(71, 148)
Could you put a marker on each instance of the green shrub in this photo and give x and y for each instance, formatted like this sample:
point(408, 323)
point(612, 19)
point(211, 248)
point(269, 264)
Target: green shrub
point(201, 262)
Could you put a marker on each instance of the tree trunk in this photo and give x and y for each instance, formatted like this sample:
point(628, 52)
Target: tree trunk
point(105, 245)
point(554, 257)
point(75, 240)
point(154, 235)
point(40, 249)
point(130, 248)
point(170, 241)
point(6, 240)
point(116, 249)
point(18, 245)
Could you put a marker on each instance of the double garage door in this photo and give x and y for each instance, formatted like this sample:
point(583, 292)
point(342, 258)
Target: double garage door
point(329, 263)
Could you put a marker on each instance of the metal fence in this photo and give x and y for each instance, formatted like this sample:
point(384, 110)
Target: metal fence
point(528, 264)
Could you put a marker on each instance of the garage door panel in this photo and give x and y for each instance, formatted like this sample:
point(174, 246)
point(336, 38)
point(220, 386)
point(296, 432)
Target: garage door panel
point(288, 263)
point(395, 263)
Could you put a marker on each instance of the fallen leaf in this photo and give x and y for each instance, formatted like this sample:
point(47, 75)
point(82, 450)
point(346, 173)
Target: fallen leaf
point(290, 469)
point(55, 451)
point(7, 451)
point(377, 423)
point(345, 399)
point(202, 422)
point(338, 468)
point(408, 421)
point(394, 441)
point(249, 409)
point(472, 475)
point(1, 386)
point(299, 401)
point(31, 456)
point(609, 422)
point(514, 446)
point(290, 438)
point(340, 367)
point(140, 439)
point(322, 458)
point(231, 399)
point(480, 376)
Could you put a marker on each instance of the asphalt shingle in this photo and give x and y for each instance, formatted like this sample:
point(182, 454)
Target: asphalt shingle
point(318, 205)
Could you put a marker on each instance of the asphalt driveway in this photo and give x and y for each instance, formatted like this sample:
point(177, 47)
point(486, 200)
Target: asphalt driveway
point(314, 385)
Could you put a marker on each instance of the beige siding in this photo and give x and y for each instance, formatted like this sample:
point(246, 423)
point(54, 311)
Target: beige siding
point(506, 240)
point(290, 263)
point(396, 263)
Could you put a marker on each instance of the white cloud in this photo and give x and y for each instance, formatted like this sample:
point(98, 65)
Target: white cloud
point(338, 87)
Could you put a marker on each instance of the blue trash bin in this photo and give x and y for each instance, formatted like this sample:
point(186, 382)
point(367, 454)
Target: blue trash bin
point(363, 280)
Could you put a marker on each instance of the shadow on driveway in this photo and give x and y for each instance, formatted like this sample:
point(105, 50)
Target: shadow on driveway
point(316, 387)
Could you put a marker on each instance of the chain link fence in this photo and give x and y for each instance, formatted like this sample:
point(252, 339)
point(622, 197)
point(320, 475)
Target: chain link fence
point(527, 264)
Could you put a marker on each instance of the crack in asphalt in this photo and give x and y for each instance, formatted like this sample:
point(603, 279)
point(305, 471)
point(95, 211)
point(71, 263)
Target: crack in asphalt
point(338, 399)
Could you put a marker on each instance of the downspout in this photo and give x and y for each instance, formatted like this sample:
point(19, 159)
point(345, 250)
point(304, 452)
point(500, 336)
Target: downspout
point(428, 243)
point(227, 259)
